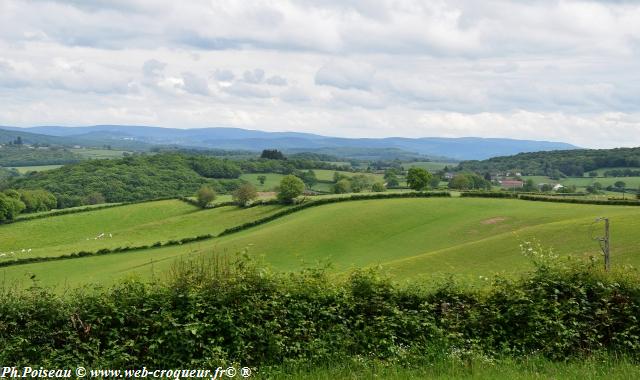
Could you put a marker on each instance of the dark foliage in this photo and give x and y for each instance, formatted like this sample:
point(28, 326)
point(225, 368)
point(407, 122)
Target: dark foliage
point(207, 315)
point(560, 162)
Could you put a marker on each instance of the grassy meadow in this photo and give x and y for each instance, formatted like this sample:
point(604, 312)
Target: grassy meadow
point(129, 225)
point(409, 238)
point(94, 153)
point(429, 165)
point(272, 181)
point(37, 168)
point(327, 175)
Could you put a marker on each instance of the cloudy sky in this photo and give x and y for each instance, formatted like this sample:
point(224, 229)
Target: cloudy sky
point(552, 70)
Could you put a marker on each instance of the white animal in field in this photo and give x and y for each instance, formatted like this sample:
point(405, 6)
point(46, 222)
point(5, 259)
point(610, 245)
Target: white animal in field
point(110, 236)
point(2, 254)
point(29, 250)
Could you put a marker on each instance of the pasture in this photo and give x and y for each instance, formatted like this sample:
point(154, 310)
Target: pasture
point(327, 175)
point(272, 181)
point(429, 165)
point(94, 153)
point(37, 168)
point(409, 238)
point(122, 226)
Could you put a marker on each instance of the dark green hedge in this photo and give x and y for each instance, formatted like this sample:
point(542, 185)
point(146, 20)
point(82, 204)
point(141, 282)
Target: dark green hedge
point(204, 317)
point(277, 215)
point(76, 210)
point(103, 251)
point(488, 194)
point(581, 201)
point(320, 202)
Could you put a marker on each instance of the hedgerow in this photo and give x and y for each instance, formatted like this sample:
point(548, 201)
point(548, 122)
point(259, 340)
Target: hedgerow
point(299, 207)
point(614, 202)
point(207, 315)
point(103, 251)
point(324, 201)
point(488, 194)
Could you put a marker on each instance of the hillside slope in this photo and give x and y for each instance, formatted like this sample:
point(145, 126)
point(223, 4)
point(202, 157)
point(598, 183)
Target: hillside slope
point(566, 162)
point(408, 237)
point(466, 148)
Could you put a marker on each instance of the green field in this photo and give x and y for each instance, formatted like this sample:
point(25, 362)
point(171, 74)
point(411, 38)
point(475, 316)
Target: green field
point(429, 165)
point(130, 225)
point(602, 170)
point(39, 168)
point(631, 182)
point(272, 181)
point(92, 153)
point(583, 182)
point(409, 237)
point(327, 175)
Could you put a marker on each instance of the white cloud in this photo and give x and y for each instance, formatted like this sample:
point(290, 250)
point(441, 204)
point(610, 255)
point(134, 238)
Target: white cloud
point(345, 74)
point(194, 84)
point(565, 70)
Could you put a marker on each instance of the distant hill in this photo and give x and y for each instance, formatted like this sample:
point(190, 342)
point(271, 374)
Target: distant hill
point(466, 148)
point(556, 163)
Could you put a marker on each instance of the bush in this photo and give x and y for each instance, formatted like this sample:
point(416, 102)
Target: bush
point(489, 194)
point(418, 178)
point(343, 186)
point(211, 313)
point(205, 195)
point(37, 200)
point(619, 202)
point(290, 188)
point(378, 187)
point(245, 194)
point(10, 207)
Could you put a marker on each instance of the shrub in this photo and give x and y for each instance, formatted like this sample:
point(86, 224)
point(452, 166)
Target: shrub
point(10, 207)
point(245, 194)
point(205, 195)
point(226, 311)
point(378, 187)
point(418, 178)
point(343, 186)
point(290, 188)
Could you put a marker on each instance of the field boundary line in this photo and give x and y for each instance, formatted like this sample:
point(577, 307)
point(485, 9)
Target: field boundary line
point(228, 231)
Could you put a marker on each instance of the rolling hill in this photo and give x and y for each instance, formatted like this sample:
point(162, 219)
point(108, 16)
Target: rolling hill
point(410, 238)
point(467, 148)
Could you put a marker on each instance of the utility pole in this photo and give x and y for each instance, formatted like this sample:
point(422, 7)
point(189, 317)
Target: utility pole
point(606, 248)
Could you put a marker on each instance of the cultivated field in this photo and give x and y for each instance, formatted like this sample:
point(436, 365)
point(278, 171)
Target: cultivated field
point(410, 238)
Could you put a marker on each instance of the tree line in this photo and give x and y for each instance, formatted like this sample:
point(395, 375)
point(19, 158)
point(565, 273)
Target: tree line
point(558, 163)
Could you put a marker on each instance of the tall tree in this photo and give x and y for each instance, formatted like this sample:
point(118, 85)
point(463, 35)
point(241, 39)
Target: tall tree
point(418, 178)
point(243, 195)
point(290, 188)
point(205, 195)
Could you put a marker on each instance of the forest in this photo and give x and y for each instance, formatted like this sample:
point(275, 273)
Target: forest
point(557, 163)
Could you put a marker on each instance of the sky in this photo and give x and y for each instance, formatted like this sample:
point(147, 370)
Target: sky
point(546, 70)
